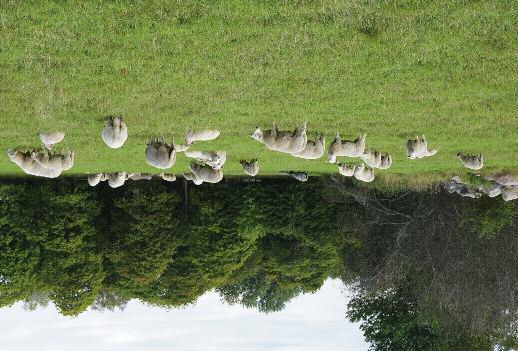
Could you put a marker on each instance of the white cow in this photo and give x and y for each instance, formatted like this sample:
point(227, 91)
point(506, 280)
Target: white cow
point(141, 176)
point(456, 185)
point(200, 135)
point(418, 148)
point(510, 192)
point(168, 177)
point(25, 161)
point(345, 170)
point(386, 161)
point(94, 179)
point(494, 190)
point(300, 176)
point(371, 158)
point(504, 179)
point(118, 179)
point(61, 162)
point(203, 173)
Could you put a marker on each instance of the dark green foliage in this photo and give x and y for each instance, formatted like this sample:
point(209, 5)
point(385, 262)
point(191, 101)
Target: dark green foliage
point(145, 229)
point(488, 217)
point(453, 280)
point(296, 252)
point(427, 272)
point(49, 244)
point(72, 242)
point(390, 322)
point(280, 270)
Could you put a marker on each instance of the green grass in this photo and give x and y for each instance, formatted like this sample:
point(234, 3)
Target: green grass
point(391, 69)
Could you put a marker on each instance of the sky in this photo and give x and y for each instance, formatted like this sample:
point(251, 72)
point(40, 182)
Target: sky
point(309, 322)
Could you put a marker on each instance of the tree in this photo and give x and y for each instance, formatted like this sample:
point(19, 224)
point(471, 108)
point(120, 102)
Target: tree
point(144, 235)
point(52, 226)
point(457, 279)
point(389, 321)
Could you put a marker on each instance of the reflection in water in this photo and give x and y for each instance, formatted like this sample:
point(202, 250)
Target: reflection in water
point(428, 271)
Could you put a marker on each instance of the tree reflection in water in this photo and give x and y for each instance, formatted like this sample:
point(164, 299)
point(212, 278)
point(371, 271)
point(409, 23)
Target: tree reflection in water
point(427, 270)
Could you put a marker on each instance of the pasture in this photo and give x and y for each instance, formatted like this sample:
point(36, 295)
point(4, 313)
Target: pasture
point(390, 69)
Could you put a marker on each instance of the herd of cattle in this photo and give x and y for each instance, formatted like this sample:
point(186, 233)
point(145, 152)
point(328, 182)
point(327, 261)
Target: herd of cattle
point(209, 166)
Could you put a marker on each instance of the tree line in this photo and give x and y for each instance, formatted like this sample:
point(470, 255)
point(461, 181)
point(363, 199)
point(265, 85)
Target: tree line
point(427, 270)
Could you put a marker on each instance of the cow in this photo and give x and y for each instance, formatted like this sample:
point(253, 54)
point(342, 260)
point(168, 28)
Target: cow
point(203, 174)
point(26, 162)
point(200, 135)
point(345, 170)
point(418, 148)
point(300, 176)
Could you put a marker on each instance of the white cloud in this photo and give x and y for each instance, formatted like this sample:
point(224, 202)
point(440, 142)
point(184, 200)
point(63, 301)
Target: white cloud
point(309, 322)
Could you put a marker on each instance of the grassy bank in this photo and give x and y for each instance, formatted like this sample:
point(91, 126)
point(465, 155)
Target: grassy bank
point(391, 69)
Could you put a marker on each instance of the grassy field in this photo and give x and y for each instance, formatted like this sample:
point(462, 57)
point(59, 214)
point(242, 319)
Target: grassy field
point(391, 69)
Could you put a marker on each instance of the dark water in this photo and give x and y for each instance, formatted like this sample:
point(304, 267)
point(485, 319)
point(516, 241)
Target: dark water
point(427, 271)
